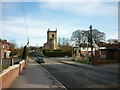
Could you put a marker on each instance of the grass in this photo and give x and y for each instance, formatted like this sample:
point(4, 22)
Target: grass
point(3, 67)
point(104, 60)
point(83, 61)
point(109, 61)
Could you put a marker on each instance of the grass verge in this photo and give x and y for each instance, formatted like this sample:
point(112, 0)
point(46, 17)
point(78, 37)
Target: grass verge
point(2, 67)
point(83, 61)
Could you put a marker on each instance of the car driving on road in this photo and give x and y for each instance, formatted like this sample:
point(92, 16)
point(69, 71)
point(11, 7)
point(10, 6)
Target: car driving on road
point(40, 60)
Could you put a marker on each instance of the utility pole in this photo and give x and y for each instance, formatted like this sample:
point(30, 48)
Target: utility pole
point(27, 49)
point(91, 43)
point(1, 53)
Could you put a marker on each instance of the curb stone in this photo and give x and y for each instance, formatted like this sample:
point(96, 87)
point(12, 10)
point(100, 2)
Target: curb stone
point(75, 64)
point(69, 63)
point(60, 85)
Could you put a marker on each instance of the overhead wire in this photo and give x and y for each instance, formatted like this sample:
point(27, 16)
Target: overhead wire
point(1, 33)
point(25, 22)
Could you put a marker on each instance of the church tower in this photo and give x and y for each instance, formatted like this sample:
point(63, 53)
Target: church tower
point(51, 40)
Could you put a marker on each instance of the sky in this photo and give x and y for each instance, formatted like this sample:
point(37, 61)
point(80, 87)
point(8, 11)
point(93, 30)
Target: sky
point(20, 20)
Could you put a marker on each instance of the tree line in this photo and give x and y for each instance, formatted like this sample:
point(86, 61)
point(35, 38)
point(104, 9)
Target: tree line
point(82, 36)
point(77, 37)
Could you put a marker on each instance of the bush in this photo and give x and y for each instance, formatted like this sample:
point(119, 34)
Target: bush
point(35, 54)
point(57, 53)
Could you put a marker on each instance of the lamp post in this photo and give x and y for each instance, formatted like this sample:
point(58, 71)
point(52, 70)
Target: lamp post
point(91, 43)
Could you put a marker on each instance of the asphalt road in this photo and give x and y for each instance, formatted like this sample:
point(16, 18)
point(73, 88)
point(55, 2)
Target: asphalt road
point(82, 77)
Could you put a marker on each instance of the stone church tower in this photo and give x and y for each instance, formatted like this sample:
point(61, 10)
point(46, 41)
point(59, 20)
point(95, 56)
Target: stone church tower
point(51, 40)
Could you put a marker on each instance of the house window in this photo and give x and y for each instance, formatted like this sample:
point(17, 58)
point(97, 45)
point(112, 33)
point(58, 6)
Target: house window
point(83, 48)
point(3, 46)
point(52, 35)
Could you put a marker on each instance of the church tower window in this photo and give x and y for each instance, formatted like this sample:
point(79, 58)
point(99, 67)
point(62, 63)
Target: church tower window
point(52, 35)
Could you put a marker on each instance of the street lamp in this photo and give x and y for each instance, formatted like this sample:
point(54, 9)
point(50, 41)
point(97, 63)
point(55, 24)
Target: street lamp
point(91, 43)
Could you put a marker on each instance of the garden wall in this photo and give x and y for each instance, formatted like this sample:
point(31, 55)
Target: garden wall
point(96, 61)
point(10, 74)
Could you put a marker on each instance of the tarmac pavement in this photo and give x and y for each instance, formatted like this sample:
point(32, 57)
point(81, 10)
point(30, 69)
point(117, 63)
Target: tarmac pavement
point(36, 76)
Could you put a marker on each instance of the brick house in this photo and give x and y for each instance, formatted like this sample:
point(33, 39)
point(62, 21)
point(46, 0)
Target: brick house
point(105, 50)
point(113, 51)
point(4, 49)
point(84, 48)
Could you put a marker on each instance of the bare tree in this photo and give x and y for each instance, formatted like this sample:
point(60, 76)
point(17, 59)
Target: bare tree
point(59, 41)
point(79, 36)
point(13, 44)
point(98, 36)
point(15, 50)
point(82, 36)
point(64, 43)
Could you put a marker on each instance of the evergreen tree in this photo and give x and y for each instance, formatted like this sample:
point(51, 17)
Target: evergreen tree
point(24, 53)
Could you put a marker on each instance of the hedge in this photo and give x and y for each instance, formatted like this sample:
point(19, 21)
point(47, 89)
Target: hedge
point(57, 53)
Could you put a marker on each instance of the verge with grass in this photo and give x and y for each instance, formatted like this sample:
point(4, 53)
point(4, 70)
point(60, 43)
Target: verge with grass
point(2, 67)
point(83, 61)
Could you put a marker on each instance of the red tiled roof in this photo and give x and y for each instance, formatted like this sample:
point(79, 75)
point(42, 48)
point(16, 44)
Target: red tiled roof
point(5, 41)
point(103, 44)
point(85, 45)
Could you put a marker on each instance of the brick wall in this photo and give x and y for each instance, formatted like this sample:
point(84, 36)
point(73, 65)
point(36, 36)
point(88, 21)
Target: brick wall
point(0, 82)
point(96, 60)
point(10, 74)
point(22, 64)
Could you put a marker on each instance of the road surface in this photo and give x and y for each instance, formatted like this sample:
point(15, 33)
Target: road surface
point(82, 77)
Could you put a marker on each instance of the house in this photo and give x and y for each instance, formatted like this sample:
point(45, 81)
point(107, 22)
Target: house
point(4, 49)
point(113, 51)
point(109, 51)
point(83, 49)
point(104, 50)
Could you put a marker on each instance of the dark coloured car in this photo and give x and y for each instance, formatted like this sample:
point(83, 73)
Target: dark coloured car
point(40, 60)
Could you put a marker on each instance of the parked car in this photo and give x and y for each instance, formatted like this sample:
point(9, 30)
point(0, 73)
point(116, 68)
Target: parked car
point(40, 60)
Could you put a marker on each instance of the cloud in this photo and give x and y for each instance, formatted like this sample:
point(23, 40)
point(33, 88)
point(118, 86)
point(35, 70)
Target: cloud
point(39, 22)
point(13, 25)
point(37, 41)
point(84, 8)
point(14, 28)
